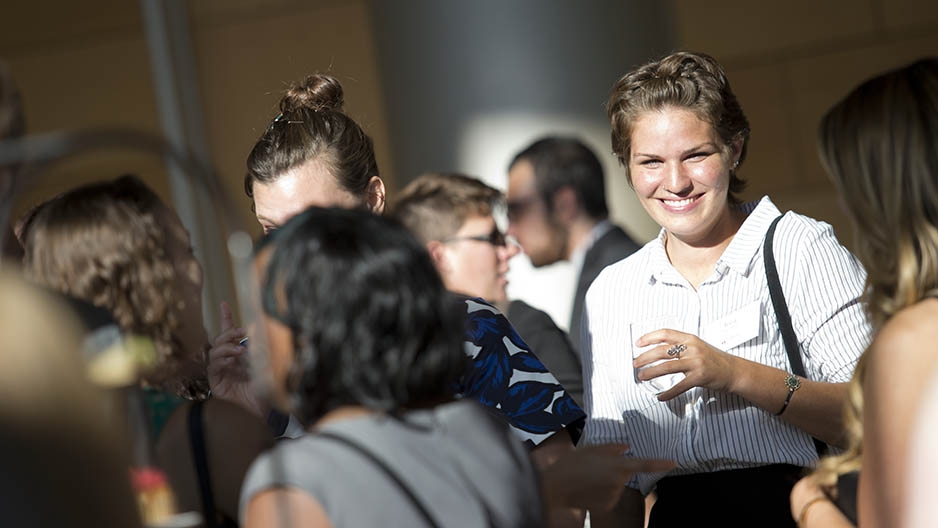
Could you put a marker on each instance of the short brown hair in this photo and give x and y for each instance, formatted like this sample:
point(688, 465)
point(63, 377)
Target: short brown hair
point(688, 80)
point(435, 205)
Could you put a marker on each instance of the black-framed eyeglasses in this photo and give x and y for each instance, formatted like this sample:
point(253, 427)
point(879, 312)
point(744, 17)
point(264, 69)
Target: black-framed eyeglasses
point(516, 208)
point(496, 238)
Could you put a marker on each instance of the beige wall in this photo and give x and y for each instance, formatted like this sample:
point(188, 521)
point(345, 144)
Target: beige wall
point(788, 63)
point(77, 70)
point(86, 64)
point(83, 64)
point(249, 51)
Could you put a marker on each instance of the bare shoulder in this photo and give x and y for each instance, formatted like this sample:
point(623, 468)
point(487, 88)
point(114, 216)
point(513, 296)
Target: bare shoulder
point(904, 351)
point(233, 438)
point(218, 417)
point(224, 411)
point(909, 334)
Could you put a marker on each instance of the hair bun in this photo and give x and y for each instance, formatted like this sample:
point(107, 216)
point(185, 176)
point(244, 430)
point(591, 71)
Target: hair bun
point(317, 93)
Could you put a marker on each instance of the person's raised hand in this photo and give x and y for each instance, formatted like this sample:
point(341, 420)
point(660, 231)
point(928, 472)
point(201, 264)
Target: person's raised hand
point(594, 477)
point(228, 368)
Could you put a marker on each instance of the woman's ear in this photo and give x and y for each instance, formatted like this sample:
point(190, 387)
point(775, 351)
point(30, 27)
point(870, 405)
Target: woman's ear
point(376, 195)
point(737, 151)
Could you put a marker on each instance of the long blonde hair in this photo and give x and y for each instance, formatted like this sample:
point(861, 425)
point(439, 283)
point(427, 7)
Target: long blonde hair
point(880, 146)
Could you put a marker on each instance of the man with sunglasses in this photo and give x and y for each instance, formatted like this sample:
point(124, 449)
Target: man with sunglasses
point(557, 211)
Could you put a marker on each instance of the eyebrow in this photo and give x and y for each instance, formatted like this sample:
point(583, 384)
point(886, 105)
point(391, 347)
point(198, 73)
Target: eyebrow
point(709, 144)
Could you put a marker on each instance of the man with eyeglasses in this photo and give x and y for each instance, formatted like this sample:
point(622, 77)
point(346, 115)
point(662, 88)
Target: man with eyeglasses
point(557, 211)
point(453, 215)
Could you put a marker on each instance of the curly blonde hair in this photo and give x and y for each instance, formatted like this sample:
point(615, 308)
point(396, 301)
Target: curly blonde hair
point(105, 243)
point(880, 146)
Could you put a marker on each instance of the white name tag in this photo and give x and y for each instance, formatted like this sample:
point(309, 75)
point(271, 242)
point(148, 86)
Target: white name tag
point(734, 329)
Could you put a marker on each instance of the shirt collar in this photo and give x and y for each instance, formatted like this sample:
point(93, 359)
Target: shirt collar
point(747, 242)
point(738, 256)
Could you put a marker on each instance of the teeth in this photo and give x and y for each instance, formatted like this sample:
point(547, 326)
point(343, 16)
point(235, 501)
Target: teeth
point(679, 203)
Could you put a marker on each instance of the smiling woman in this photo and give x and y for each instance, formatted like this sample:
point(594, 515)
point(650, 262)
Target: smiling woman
point(708, 379)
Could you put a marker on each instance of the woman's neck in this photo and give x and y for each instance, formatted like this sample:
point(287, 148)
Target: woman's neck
point(342, 413)
point(355, 411)
point(696, 261)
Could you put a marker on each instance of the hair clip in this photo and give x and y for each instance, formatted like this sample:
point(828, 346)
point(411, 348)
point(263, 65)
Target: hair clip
point(281, 118)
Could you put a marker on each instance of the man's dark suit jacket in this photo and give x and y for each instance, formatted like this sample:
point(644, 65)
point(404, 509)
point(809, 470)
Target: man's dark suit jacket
point(612, 247)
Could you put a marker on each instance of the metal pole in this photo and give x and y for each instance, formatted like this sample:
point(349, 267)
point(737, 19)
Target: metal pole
point(175, 83)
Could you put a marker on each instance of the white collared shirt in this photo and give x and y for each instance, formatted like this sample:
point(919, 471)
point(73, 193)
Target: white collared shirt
point(705, 430)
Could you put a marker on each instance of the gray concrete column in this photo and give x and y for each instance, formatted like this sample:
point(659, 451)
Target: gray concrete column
point(469, 83)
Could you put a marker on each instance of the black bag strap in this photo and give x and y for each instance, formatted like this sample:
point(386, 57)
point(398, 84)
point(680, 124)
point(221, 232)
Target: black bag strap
point(390, 473)
point(200, 456)
point(784, 317)
point(781, 307)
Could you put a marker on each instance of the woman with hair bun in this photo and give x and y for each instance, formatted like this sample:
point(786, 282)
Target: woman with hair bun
point(312, 154)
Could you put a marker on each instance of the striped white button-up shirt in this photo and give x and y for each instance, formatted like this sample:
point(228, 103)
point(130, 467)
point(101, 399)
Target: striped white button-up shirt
point(705, 430)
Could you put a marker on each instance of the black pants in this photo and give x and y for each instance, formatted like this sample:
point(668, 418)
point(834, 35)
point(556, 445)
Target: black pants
point(754, 497)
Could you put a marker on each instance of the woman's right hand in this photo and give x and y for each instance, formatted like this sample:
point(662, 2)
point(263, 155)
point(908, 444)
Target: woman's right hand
point(228, 369)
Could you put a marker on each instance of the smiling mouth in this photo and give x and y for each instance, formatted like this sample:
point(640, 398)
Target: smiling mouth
point(678, 205)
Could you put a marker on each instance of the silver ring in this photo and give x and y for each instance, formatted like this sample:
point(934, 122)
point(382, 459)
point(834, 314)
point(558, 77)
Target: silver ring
point(677, 349)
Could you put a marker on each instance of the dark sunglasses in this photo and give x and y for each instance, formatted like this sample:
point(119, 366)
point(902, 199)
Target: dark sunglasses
point(516, 208)
point(496, 238)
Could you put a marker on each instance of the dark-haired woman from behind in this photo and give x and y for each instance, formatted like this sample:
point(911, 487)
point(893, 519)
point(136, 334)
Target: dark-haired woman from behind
point(377, 389)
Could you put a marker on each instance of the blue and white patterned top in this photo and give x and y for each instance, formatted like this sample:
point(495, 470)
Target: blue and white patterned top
point(509, 379)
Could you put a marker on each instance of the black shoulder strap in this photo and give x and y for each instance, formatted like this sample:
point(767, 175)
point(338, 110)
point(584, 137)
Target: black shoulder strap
point(781, 307)
point(199, 455)
point(386, 470)
point(782, 314)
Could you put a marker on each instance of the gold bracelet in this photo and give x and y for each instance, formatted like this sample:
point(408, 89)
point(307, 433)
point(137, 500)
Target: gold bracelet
point(804, 509)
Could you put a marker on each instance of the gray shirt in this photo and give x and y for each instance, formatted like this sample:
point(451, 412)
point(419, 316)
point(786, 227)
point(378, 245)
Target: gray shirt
point(462, 464)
